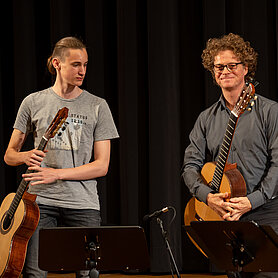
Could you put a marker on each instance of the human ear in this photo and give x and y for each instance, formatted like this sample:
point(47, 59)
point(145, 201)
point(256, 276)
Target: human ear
point(245, 70)
point(56, 63)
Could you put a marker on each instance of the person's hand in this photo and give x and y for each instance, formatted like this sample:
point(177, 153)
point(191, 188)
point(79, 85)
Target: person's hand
point(236, 207)
point(41, 175)
point(34, 157)
point(216, 202)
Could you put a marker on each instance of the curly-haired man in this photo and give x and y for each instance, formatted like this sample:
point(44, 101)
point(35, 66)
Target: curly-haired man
point(254, 146)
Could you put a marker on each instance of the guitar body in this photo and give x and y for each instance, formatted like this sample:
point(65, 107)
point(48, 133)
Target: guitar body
point(232, 182)
point(14, 239)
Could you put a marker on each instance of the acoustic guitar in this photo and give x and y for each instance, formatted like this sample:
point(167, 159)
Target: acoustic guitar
point(221, 176)
point(19, 215)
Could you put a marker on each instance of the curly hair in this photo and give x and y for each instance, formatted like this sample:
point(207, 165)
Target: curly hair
point(60, 50)
point(242, 49)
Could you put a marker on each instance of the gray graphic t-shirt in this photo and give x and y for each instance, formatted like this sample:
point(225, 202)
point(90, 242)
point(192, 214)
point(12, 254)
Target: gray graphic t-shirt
point(89, 120)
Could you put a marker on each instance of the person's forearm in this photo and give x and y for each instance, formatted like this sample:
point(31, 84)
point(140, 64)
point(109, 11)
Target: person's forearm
point(88, 171)
point(256, 199)
point(14, 158)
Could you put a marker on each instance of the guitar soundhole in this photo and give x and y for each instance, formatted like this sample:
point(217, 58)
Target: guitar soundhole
point(6, 223)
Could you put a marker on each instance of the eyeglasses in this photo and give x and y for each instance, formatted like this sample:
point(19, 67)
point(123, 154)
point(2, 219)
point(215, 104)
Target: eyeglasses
point(230, 67)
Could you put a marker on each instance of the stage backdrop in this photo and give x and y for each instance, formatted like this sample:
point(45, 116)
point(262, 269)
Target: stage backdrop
point(144, 59)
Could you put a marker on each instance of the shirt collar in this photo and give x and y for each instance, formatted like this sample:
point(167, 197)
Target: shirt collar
point(222, 104)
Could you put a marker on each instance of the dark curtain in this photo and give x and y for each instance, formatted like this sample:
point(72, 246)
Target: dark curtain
point(145, 61)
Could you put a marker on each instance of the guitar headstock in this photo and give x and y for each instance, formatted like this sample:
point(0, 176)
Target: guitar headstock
point(56, 123)
point(246, 99)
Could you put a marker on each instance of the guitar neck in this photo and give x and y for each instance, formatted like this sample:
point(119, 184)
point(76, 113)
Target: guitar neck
point(23, 185)
point(54, 126)
point(224, 153)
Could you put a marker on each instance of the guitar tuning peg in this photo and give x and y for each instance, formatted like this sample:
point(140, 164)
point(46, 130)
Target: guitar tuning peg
point(252, 103)
point(249, 109)
point(255, 97)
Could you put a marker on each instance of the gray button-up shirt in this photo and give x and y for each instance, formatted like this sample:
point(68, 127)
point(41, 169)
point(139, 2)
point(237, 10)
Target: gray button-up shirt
point(254, 148)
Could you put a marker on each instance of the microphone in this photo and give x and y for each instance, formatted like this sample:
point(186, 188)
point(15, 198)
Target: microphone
point(155, 214)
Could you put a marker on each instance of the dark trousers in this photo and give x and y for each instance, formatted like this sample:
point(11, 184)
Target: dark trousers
point(53, 217)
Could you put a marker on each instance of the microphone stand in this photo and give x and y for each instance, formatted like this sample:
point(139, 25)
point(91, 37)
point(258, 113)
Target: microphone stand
point(165, 236)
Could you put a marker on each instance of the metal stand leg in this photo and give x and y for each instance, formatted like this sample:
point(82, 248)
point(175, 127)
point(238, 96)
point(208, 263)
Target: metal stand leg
point(164, 235)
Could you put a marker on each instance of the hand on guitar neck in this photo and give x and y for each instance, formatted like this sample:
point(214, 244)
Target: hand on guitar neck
point(34, 157)
point(229, 209)
point(14, 156)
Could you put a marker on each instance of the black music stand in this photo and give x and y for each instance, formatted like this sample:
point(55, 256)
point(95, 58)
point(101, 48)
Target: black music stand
point(237, 246)
point(103, 248)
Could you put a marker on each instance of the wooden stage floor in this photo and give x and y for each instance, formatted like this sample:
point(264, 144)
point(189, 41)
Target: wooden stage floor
point(121, 275)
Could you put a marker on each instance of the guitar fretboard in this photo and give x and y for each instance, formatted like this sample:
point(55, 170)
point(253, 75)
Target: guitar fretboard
point(224, 153)
point(23, 186)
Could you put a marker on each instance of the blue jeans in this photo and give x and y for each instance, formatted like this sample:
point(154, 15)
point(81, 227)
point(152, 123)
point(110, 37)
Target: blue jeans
point(53, 217)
